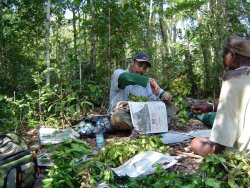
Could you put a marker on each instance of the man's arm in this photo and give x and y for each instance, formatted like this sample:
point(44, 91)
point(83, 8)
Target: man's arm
point(203, 146)
point(204, 108)
point(126, 79)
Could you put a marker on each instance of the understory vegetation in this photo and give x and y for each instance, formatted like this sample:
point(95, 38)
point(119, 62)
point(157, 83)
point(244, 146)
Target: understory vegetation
point(72, 169)
point(57, 57)
point(56, 62)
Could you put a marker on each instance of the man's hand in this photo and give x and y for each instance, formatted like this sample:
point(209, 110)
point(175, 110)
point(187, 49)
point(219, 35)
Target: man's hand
point(154, 86)
point(202, 108)
point(122, 104)
point(166, 97)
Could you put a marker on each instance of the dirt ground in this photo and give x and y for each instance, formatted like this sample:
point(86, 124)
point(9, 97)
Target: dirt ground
point(188, 161)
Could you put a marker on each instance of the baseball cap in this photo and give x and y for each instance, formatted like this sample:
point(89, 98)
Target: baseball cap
point(142, 58)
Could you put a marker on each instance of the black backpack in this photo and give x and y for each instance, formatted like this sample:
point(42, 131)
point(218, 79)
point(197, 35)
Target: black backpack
point(18, 164)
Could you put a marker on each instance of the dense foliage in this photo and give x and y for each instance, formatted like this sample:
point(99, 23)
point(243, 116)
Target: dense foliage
point(71, 170)
point(66, 157)
point(56, 57)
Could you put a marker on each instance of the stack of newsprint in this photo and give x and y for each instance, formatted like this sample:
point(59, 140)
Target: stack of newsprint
point(149, 117)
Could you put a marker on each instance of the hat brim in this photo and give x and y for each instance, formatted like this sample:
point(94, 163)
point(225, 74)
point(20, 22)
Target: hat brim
point(143, 60)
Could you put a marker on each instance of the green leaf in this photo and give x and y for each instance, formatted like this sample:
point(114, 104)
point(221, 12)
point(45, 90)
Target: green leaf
point(212, 169)
point(68, 181)
point(231, 183)
point(50, 107)
point(222, 159)
point(1, 97)
point(86, 102)
point(189, 186)
point(204, 167)
point(212, 183)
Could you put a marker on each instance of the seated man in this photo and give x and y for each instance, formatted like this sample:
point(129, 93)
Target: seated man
point(231, 127)
point(132, 81)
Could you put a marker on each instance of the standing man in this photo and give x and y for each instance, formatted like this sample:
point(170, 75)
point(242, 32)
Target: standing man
point(132, 81)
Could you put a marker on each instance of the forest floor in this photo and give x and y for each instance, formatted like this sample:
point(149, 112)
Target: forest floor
point(188, 164)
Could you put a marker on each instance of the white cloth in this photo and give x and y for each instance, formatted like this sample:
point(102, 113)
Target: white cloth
point(232, 123)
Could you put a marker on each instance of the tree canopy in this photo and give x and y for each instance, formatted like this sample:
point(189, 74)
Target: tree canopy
point(56, 57)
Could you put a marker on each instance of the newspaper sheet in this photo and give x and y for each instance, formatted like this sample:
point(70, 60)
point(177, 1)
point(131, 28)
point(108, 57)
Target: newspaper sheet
point(149, 117)
point(143, 164)
point(49, 135)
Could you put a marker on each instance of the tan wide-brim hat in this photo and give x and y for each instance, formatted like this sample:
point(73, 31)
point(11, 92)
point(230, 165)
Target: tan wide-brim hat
point(238, 45)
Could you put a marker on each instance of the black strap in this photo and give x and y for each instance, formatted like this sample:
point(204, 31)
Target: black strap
point(34, 155)
point(19, 178)
point(14, 156)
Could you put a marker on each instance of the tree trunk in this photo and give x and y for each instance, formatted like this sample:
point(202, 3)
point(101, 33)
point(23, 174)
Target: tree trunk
point(148, 40)
point(80, 53)
point(109, 43)
point(174, 35)
point(163, 34)
point(74, 31)
point(206, 71)
point(85, 41)
point(217, 8)
point(205, 52)
point(1, 32)
point(93, 50)
point(85, 51)
point(190, 73)
point(47, 39)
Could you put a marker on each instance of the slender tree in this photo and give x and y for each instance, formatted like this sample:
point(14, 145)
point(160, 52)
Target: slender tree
point(80, 51)
point(161, 24)
point(47, 42)
point(1, 31)
point(109, 39)
point(148, 41)
point(93, 45)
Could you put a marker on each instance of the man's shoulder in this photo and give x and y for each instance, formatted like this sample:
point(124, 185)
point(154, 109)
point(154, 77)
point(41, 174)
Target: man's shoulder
point(119, 71)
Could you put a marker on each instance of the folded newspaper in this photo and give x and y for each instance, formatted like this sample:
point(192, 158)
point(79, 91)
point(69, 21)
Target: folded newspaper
point(149, 117)
point(172, 137)
point(55, 136)
point(142, 164)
